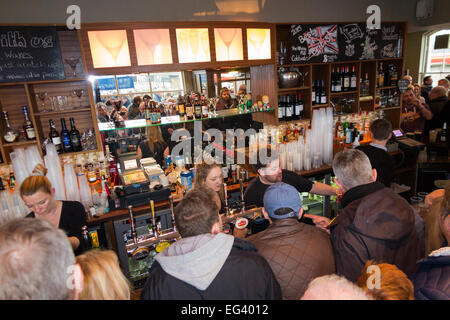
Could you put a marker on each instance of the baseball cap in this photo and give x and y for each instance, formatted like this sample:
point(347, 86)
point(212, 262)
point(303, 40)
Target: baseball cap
point(282, 200)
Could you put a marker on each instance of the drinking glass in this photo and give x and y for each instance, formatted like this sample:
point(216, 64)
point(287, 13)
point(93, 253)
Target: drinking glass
point(78, 93)
point(42, 96)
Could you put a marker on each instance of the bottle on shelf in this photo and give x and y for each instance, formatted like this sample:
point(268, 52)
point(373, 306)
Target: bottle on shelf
point(75, 138)
point(313, 94)
point(333, 81)
point(289, 109)
point(318, 92)
point(180, 106)
point(28, 128)
point(393, 75)
point(353, 79)
point(189, 108)
point(346, 86)
point(299, 108)
point(197, 108)
point(323, 95)
point(54, 137)
point(338, 81)
point(9, 134)
point(12, 178)
point(380, 76)
point(364, 90)
point(281, 108)
point(65, 135)
point(205, 108)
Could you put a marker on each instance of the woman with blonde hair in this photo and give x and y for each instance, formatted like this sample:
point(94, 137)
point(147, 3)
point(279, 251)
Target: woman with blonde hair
point(102, 277)
point(38, 195)
point(154, 146)
point(210, 176)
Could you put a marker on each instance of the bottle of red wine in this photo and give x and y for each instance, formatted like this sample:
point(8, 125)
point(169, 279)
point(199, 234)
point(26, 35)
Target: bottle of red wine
point(54, 137)
point(75, 138)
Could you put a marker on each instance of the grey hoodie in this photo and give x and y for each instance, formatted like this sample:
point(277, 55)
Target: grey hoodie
point(196, 260)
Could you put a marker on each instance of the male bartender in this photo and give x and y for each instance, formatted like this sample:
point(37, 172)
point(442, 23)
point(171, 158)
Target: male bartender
point(271, 173)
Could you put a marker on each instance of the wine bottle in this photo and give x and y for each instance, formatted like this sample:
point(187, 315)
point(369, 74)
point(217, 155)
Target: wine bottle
point(313, 94)
point(180, 108)
point(9, 134)
point(289, 108)
point(28, 128)
point(189, 108)
point(299, 108)
point(197, 108)
point(281, 108)
point(342, 78)
point(353, 80)
point(346, 86)
point(75, 138)
point(323, 94)
point(65, 135)
point(443, 137)
point(54, 137)
point(338, 82)
point(333, 81)
point(318, 92)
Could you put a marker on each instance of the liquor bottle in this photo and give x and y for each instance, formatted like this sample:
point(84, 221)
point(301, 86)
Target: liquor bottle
point(197, 108)
point(9, 134)
point(380, 76)
point(333, 81)
point(299, 108)
point(54, 137)
point(205, 108)
point(65, 135)
point(346, 86)
point(75, 138)
point(153, 112)
point(394, 76)
point(289, 110)
point(353, 79)
point(147, 109)
point(28, 128)
point(338, 82)
point(180, 106)
point(342, 78)
point(159, 111)
point(189, 108)
point(387, 75)
point(366, 86)
point(97, 94)
point(323, 95)
point(443, 137)
point(86, 241)
point(12, 178)
point(313, 94)
point(281, 108)
point(318, 92)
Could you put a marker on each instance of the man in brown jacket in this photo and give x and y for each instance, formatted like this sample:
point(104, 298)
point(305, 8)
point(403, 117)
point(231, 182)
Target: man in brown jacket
point(375, 223)
point(297, 252)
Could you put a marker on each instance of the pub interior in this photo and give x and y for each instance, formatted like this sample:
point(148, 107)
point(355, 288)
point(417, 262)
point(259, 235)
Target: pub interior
point(170, 101)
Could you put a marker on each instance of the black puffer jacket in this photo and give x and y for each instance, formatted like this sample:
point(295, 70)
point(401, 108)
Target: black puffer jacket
point(244, 275)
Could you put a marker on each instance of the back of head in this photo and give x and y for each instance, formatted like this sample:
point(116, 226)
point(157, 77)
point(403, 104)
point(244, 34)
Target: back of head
point(438, 92)
point(393, 283)
point(444, 83)
point(282, 201)
point(196, 213)
point(103, 278)
point(334, 287)
point(35, 261)
point(352, 167)
point(381, 129)
point(36, 182)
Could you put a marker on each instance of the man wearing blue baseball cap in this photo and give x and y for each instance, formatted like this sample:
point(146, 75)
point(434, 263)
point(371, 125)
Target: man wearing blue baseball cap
point(297, 252)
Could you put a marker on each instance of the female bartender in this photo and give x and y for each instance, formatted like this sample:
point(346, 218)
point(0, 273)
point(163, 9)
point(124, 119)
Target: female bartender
point(210, 176)
point(154, 146)
point(37, 194)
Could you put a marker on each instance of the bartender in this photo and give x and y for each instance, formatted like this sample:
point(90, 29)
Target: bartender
point(154, 147)
point(225, 100)
point(38, 195)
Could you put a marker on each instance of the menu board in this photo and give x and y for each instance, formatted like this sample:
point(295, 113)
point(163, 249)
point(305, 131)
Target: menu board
point(340, 42)
point(30, 54)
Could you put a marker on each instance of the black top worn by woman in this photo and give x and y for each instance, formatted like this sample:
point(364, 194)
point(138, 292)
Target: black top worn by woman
point(73, 217)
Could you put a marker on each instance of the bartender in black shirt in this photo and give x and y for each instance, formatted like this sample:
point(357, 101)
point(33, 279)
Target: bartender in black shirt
point(271, 173)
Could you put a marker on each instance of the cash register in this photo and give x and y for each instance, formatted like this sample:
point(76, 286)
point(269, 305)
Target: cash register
point(406, 143)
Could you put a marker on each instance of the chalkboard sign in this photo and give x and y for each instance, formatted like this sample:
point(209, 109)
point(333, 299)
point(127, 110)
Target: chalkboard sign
point(341, 42)
point(314, 43)
point(30, 54)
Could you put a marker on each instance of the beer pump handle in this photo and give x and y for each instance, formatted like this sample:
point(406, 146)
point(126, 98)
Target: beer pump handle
point(155, 227)
point(225, 198)
point(133, 227)
point(172, 214)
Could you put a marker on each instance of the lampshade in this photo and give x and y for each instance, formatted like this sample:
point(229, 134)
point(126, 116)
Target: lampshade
point(193, 45)
point(258, 44)
point(228, 44)
point(152, 46)
point(109, 48)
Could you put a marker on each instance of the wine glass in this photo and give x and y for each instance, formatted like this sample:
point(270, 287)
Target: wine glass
point(303, 78)
point(151, 41)
point(73, 62)
point(227, 35)
point(194, 43)
point(42, 96)
point(78, 93)
point(113, 42)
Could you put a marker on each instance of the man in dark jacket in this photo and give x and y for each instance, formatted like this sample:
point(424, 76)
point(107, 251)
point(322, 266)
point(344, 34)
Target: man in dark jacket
point(375, 222)
point(207, 264)
point(297, 252)
point(439, 105)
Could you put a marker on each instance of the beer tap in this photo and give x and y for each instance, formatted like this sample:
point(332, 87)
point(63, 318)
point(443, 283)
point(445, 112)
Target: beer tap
point(155, 227)
point(133, 227)
point(172, 214)
point(225, 200)
point(241, 186)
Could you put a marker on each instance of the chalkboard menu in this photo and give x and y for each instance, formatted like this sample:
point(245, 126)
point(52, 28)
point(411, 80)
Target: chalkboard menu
point(30, 54)
point(314, 43)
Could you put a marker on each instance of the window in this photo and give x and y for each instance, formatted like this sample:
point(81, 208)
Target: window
point(161, 86)
point(436, 58)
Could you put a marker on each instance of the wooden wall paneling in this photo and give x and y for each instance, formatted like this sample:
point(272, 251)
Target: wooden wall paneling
point(263, 83)
point(70, 48)
point(31, 111)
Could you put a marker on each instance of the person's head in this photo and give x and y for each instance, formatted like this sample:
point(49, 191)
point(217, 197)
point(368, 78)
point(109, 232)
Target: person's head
point(352, 168)
point(117, 105)
point(334, 287)
point(197, 213)
point(37, 192)
point(393, 283)
point(209, 175)
point(409, 96)
point(225, 93)
point(438, 92)
point(381, 130)
point(282, 201)
point(242, 89)
point(416, 90)
point(101, 109)
point(37, 262)
point(137, 100)
point(103, 278)
point(444, 83)
point(154, 134)
point(268, 167)
point(409, 78)
point(428, 81)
